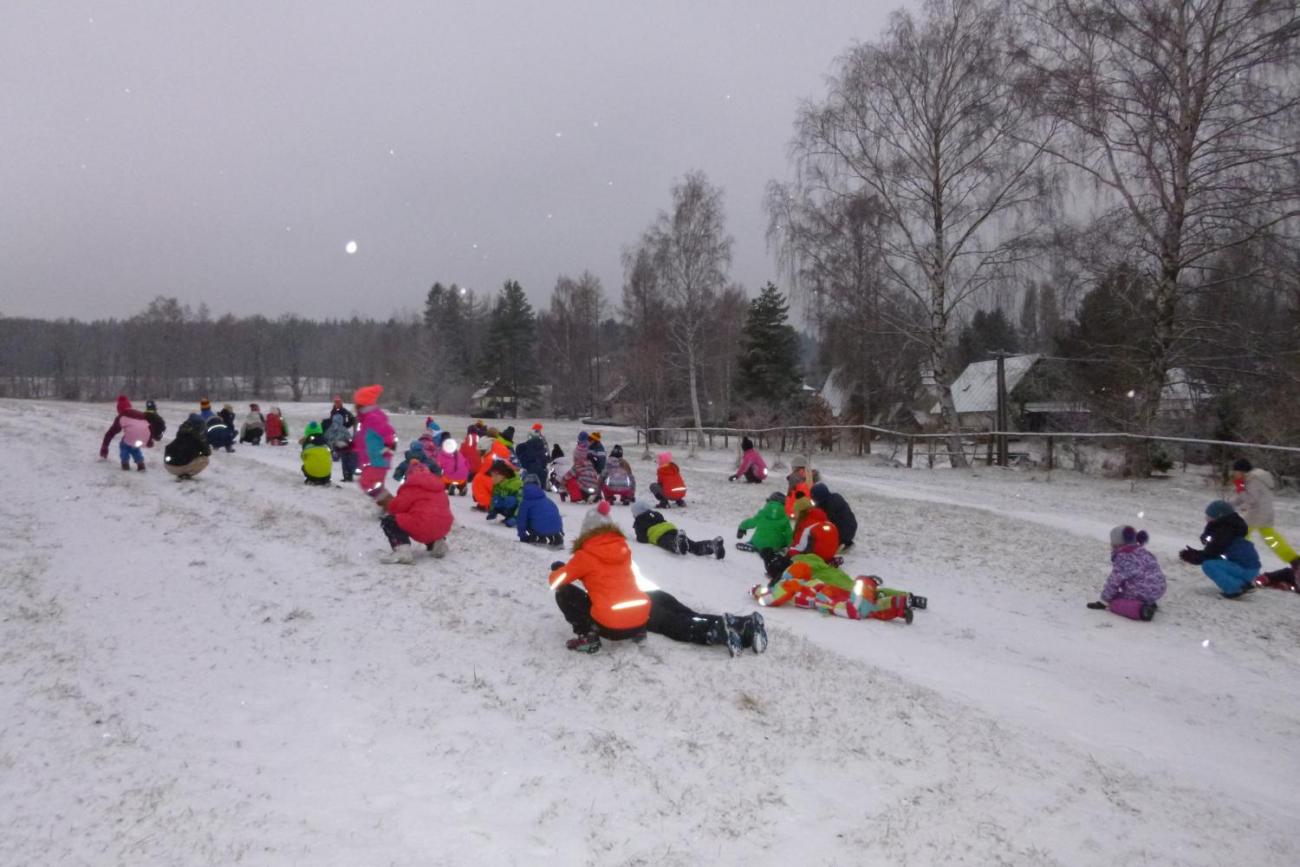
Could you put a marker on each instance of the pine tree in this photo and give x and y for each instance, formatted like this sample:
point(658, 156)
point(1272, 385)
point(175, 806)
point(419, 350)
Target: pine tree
point(1029, 317)
point(769, 350)
point(509, 355)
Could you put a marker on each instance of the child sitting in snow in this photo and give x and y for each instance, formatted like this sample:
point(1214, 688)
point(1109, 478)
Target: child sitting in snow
point(617, 482)
point(1228, 559)
point(254, 426)
point(277, 432)
point(415, 454)
point(814, 533)
point(668, 487)
point(220, 433)
point(770, 525)
point(808, 581)
point(317, 456)
point(615, 608)
point(1135, 581)
point(507, 489)
point(419, 512)
point(654, 529)
point(837, 511)
point(133, 425)
point(538, 518)
point(455, 469)
point(187, 455)
point(582, 481)
point(752, 467)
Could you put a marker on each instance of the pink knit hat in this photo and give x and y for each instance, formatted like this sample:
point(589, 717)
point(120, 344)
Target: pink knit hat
point(665, 458)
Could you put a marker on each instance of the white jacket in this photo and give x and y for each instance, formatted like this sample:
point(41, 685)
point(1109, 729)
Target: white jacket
point(1255, 502)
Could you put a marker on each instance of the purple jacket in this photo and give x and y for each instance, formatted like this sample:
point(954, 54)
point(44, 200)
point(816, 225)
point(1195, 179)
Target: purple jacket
point(752, 458)
point(1134, 574)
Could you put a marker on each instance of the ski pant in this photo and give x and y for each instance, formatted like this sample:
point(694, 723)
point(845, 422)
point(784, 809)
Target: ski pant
point(752, 476)
point(130, 453)
point(657, 490)
point(252, 436)
point(555, 540)
point(668, 617)
point(396, 535)
point(612, 494)
point(1278, 545)
point(372, 480)
point(193, 468)
point(1130, 608)
point(1229, 576)
point(315, 480)
point(576, 493)
point(669, 542)
point(349, 460)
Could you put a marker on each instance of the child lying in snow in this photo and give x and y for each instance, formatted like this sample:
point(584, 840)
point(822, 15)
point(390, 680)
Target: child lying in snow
point(808, 581)
point(1135, 581)
point(652, 528)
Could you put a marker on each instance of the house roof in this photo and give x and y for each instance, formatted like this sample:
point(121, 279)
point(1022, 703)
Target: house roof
point(976, 390)
point(834, 392)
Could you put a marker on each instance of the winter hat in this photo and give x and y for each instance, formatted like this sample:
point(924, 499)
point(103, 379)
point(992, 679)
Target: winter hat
point(798, 461)
point(205, 404)
point(1219, 509)
point(595, 435)
point(665, 458)
point(432, 425)
point(448, 444)
point(1125, 535)
point(616, 452)
point(225, 407)
point(367, 395)
point(583, 436)
point(820, 492)
point(639, 508)
point(123, 404)
point(252, 407)
point(746, 444)
point(537, 426)
point(338, 400)
point(1242, 466)
point(312, 429)
point(776, 497)
point(151, 406)
point(597, 518)
point(195, 419)
point(531, 479)
point(508, 434)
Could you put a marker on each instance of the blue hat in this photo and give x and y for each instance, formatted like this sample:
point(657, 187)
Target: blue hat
point(582, 436)
point(1219, 509)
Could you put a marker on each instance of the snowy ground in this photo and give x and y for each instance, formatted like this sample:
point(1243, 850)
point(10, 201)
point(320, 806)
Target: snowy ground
point(220, 672)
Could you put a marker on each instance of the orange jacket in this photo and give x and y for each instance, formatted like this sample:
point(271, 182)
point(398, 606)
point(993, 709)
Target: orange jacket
point(469, 449)
point(790, 497)
point(815, 515)
point(481, 488)
point(670, 479)
point(603, 563)
point(498, 450)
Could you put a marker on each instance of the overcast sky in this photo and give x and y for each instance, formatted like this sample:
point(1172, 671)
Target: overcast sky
point(228, 152)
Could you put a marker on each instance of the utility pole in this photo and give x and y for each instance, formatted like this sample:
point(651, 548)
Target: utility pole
point(1002, 420)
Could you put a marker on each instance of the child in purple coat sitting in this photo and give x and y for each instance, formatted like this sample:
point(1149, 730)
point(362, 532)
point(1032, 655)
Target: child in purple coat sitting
point(1135, 582)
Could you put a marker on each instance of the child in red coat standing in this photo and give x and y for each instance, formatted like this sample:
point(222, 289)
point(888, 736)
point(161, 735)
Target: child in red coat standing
point(419, 512)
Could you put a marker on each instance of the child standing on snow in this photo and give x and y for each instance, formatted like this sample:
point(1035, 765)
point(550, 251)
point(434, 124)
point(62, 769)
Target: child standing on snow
point(1136, 582)
point(1254, 501)
point(1228, 558)
point(770, 525)
point(668, 487)
point(507, 489)
point(133, 425)
point(187, 455)
point(337, 427)
point(254, 426)
point(654, 529)
point(615, 608)
point(617, 482)
point(419, 512)
point(538, 518)
point(317, 457)
point(455, 471)
point(533, 453)
point(752, 467)
point(375, 441)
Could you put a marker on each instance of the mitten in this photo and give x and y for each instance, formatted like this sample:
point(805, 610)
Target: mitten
point(1097, 606)
point(740, 534)
point(558, 564)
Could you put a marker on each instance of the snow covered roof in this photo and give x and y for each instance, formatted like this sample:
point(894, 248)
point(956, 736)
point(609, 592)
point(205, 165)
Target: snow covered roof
point(616, 393)
point(976, 390)
point(834, 392)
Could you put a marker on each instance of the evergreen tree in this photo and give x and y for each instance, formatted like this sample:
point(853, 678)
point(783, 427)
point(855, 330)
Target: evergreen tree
point(987, 333)
point(1029, 318)
point(769, 350)
point(509, 355)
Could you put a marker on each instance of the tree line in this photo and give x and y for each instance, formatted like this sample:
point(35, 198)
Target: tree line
point(1111, 184)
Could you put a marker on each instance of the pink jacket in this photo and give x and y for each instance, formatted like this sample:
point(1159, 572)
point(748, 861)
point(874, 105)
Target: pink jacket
point(375, 439)
point(454, 466)
point(752, 458)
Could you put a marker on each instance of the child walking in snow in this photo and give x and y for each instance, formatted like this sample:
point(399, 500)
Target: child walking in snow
point(317, 457)
point(615, 608)
point(668, 487)
point(752, 468)
point(187, 455)
point(538, 518)
point(617, 482)
point(419, 512)
point(1136, 582)
point(770, 525)
point(133, 425)
point(1228, 558)
point(375, 440)
point(654, 529)
point(1254, 501)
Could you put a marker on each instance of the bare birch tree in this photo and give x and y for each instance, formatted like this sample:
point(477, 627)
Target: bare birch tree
point(1182, 115)
point(931, 121)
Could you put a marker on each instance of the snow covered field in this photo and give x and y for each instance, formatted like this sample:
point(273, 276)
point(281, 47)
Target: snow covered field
point(220, 672)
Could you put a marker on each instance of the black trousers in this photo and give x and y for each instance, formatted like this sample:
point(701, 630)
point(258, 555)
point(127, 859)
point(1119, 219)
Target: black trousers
point(752, 476)
point(396, 535)
point(668, 617)
point(668, 541)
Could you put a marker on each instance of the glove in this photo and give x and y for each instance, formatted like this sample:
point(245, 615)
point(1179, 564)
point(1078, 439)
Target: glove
point(731, 478)
point(1097, 606)
point(1190, 555)
point(740, 534)
point(558, 564)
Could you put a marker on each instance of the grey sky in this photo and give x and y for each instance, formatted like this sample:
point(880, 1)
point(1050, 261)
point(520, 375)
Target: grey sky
point(227, 152)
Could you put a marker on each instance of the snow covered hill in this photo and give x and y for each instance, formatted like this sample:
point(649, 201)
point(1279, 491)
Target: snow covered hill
point(221, 672)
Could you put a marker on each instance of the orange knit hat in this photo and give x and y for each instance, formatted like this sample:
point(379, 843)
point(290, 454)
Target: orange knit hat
point(368, 395)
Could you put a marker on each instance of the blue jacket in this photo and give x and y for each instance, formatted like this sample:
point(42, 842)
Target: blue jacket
point(537, 513)
point(416, 453)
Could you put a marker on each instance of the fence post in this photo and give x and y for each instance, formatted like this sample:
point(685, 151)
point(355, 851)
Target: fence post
point(929, 449)
point(989, 459)
point(909, 452)
point(1050, 456)
point(710, 439)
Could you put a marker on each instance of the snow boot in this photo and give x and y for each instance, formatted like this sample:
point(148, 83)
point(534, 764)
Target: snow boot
point(438, 549)
point(589, 643)
point(755, 633)
point(719, 547)
point(139, 468)
point(1148, 611)
point(920, 602)
point(1249, 588)
point(683, 544)
point(126, 465)
point(401, 555)
point(555, 540)
point(661, 504)
point(731, 626)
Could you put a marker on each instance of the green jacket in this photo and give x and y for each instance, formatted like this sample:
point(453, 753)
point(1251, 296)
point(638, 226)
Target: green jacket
point(825, 572)
point(771, 527)
point(511, 487)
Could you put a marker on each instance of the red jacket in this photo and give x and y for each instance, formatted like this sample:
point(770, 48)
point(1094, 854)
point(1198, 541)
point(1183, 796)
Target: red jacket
point(421, 506)
point(670, 479)
point(818, 537)
point(815, 515)
point(274, 427)
point(469, 448)
point(603, 563)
